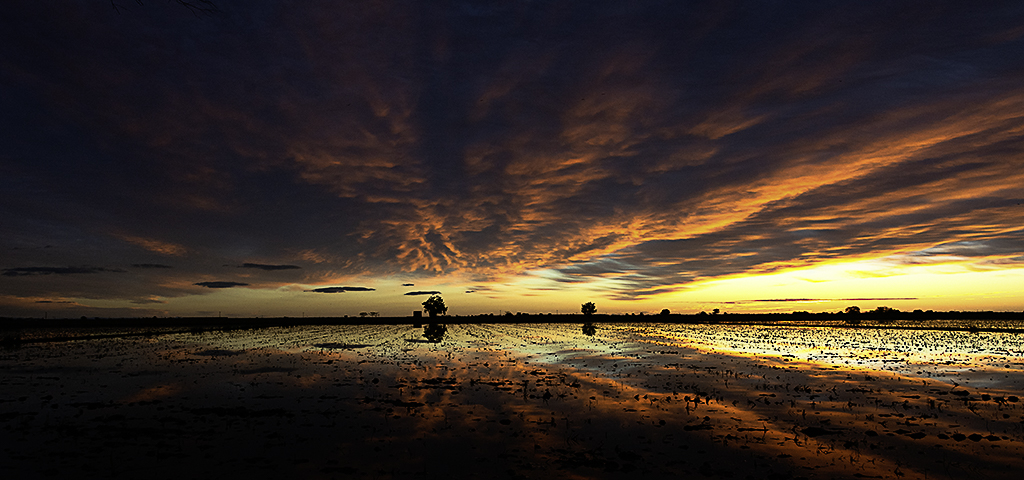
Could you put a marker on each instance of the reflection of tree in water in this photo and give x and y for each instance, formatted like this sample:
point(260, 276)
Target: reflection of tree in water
point(589, 329)
point(435, 332)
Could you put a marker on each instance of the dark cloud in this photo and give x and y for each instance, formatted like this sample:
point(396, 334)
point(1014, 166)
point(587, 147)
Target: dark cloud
point(424, 293)
point(269, 267)
point(408, 285)
point(341, 289)
point(28, 271)
point(220, 284)
point(150, 265)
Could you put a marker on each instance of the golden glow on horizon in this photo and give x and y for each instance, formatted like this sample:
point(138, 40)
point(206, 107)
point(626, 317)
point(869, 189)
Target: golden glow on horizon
point(947, 283)
point(942, 283)
point(940, 286)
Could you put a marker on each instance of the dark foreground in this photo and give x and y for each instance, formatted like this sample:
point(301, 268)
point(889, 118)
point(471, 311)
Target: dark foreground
point(493, 401)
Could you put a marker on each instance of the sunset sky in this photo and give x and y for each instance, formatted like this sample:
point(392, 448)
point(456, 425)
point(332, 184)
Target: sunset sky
point(514, 156)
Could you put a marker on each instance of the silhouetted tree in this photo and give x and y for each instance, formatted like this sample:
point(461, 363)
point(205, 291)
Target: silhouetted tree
point(588, 308)
point(435, 306)
point(852, 310)
point(715, 311)
point(665, 312)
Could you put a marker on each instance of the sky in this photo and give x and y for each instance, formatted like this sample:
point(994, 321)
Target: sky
point(331, 158)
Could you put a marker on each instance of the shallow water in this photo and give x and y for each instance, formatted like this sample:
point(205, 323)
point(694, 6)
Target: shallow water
point(518, 401)
point(981, 358)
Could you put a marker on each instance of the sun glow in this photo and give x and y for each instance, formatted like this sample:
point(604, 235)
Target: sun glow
point(951, 284)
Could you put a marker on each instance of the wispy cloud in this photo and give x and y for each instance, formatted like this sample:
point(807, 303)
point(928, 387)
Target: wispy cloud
point(148, 301)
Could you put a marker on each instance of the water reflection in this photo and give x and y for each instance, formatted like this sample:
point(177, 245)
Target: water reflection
point(434, 332)
point(523, 400)
point(589, 329)
point(936, 354)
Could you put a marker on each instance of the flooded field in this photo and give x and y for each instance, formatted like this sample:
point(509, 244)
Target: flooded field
point(518, 401)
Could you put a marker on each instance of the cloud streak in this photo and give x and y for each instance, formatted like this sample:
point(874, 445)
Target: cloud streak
point(33, 271)
point(341, 289)
point(809, 300)
point(220, 284)
point(270, 268)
